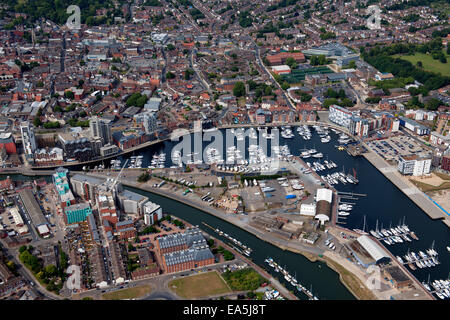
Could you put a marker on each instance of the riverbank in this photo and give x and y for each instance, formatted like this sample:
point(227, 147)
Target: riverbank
point(349, 280)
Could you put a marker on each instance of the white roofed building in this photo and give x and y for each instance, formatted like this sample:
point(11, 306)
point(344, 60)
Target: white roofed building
point(308, 209)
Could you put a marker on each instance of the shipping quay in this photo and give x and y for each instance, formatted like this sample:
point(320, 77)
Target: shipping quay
point(417, 196)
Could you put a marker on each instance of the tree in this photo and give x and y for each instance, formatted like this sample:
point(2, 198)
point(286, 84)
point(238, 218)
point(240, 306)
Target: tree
point(144, 177)
point(188, 73)
point(69, 95)
point(239, 89)
point(37, 122)
point(50, 270)
point(170, 75)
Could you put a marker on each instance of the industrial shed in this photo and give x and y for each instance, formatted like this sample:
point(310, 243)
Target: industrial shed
point(323, 210)
point(324, 197)
point(368, 252)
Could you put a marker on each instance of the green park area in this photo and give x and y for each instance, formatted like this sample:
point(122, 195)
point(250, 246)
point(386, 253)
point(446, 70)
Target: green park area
point(199, 286)
point(130, 293)
point(244, 280)
point(428, 63)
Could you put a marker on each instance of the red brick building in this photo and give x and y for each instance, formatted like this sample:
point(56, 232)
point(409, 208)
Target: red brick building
point(281, 57)
point(445, 165)
point(126, 229)
point(184, 251)
point(196, 257)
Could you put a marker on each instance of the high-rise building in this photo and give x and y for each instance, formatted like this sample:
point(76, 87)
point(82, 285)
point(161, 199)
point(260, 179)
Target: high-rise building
point(100, 129)
point(148, 120)
point(28, 139)
point(77, 212)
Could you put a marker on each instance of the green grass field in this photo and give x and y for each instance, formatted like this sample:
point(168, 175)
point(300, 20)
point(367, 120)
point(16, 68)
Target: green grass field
point(199, 286)
point(429, 64)
point(129, 293)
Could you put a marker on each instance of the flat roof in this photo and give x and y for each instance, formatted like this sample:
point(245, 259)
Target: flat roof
point(133, 196)
point(32, 207)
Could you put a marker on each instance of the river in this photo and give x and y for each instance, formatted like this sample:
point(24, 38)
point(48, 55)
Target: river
point(384, 202)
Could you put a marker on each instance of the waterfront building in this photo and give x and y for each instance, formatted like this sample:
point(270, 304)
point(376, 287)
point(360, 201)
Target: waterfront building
point(77, 213)
point(367, 252)
point(47, 156)
point(414, 165)
point(148, 121)
point(100, 129)
point(130, 139)
point(131, 203)
point(179, 241)
point(152, 213)
point(61, 183)
point(28, 140)
point(108, 150)
point(85, 186)
point(76, 146)
point(340, 115)
point(324, 197)
point(359, 127)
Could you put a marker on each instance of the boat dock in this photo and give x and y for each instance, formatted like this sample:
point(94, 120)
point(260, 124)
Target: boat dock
point(355, 149)
point(289, 278)
point(274, 282)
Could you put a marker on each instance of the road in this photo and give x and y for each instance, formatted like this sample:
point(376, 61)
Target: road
point(261, 64)
point(198, 73)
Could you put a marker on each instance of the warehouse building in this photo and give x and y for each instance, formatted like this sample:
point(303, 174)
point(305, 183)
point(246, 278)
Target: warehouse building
point(180, 241)
point(35, 212)
point(197, 256)
point(324, 197)
point(367, 252)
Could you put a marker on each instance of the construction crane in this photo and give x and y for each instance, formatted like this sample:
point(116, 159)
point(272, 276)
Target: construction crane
point(117, 178)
